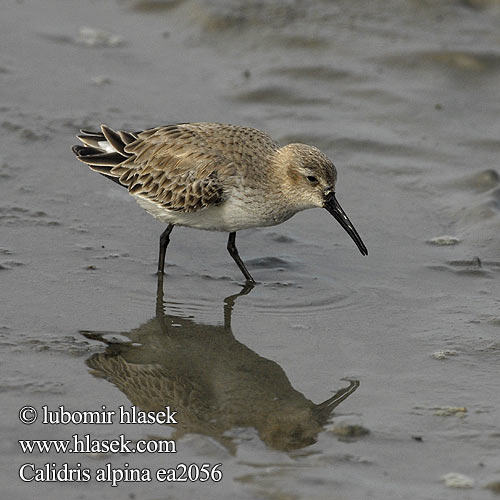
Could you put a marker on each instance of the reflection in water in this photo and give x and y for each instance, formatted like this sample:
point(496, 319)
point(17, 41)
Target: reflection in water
point(214, 382)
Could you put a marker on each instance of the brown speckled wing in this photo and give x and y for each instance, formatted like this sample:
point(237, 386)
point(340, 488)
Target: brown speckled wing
point(184, 167)
point(151, 387)
point(180, 167)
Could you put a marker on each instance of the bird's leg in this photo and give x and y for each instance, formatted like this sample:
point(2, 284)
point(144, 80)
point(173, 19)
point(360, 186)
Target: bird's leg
point(233, 251)
point(160, 304)
point(164, 241)
point(229, 303)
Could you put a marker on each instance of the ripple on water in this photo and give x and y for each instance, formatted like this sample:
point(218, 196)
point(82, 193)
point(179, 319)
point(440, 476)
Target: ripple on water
point(385, 148)
point(474, 267)
point(28, 134)
point(20, 216)
point(239, 14)
point(278, 96)
point(301, 41)
point(317, 72)
point(474, 205)
point(6, 171)
point(207, 309)
point(205, 300)
point(279, 237)
point(19, 383)
point(10, 264)
point(270, 262)
point(313, 303)
point(481, 4)
point(67, 345)
point(153, 6)
point(463, 62)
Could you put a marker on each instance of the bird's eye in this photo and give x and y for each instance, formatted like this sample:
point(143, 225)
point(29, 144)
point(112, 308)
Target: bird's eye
point(311, 178)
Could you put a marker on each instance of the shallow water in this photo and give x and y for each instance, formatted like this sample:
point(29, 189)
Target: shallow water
point(404, 97)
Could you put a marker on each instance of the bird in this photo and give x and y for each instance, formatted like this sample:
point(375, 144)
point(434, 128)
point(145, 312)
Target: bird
point(216, 177)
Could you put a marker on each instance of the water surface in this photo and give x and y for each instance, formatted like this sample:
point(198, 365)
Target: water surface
point(403, 96)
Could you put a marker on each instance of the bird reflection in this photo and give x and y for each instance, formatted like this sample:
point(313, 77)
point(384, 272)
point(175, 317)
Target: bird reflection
point(214, 382)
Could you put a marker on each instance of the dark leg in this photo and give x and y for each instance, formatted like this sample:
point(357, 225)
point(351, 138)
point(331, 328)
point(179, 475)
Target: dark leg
point(164, 241)
point(233, 251)
point(229, 303)
point(160, 312)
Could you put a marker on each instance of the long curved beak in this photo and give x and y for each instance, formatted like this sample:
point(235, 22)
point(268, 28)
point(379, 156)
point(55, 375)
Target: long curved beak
point(333, 206)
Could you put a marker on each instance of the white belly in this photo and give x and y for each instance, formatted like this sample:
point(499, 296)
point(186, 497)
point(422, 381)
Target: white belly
point(231, 215)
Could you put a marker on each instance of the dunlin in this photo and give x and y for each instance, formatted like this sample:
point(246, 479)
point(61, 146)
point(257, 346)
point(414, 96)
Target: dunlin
point(216, 177)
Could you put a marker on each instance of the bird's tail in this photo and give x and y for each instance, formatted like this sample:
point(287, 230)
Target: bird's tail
point(102, 151)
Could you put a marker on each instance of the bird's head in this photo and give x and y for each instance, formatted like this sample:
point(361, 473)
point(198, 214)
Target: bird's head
point(310, 182)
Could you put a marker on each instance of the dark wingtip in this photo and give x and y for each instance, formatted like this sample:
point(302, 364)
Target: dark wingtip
point(76, 150)
point(89, 132)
